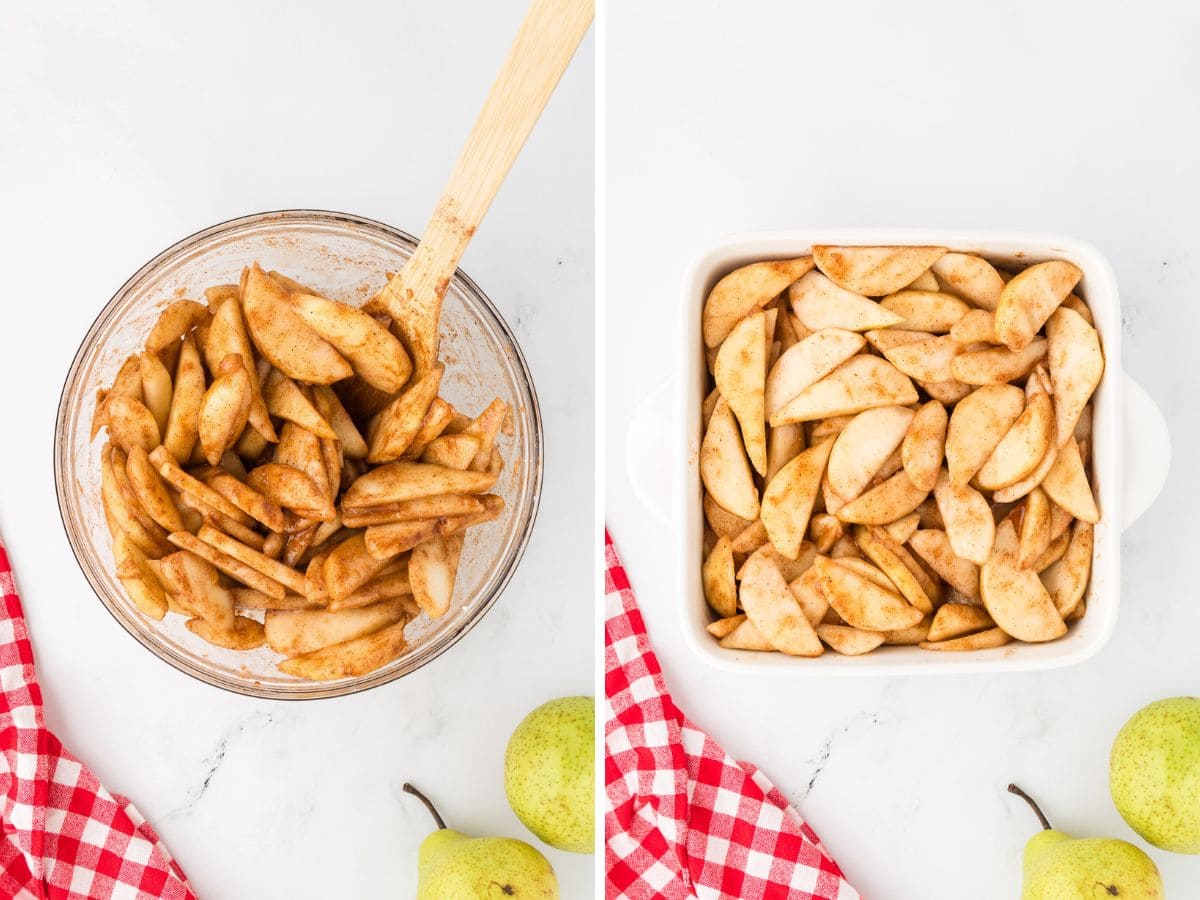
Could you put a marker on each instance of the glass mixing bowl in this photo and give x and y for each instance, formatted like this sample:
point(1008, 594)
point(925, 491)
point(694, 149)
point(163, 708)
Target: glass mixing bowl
point(344, 257)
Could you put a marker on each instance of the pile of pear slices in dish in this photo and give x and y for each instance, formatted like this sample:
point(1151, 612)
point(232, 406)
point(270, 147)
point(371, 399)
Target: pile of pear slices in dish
point(896, 451)
point(277, 472)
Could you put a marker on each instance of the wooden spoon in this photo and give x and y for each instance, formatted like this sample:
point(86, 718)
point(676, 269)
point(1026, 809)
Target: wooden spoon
point(551, 31)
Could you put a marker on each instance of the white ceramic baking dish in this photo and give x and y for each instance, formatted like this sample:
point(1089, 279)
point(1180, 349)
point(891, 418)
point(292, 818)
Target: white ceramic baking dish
point(1127, 425)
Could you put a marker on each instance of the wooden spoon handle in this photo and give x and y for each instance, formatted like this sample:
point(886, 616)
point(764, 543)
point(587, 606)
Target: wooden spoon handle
point(548, 37)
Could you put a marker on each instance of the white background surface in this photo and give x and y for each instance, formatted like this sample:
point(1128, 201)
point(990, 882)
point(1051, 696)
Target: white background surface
point(1071, 117)
point(125, 127)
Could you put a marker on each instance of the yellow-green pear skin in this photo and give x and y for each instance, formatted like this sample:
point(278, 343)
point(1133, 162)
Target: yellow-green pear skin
point(549, 777)
point(1060, 867)
point(1154, 773)
point(452, 866)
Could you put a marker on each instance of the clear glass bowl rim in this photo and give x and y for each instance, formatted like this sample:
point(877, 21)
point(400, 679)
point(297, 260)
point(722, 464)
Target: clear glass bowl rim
point(425, 654)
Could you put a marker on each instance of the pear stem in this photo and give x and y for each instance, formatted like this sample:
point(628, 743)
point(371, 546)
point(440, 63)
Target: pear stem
point(1013, 789)
point(437, 816)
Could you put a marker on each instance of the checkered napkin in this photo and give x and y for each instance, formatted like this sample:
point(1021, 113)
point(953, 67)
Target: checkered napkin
point(683, 818)
point(64, 835)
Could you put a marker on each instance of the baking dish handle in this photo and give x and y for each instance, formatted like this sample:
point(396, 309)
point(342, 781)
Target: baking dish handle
point(649, 445)
point(651, 441)
point(1147, 451)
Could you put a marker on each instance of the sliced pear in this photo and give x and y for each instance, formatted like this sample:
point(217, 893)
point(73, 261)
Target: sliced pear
point(720, 589)
point(925, 310)
point(956, 619)
point(926, 281)
point(227, 334)
point(849, 641)
point(724, 467)
point(971, 277)
point(284, 338)
point(933, 546)
point(790, 569)
point(750, 538)
point(860, 383)
point(1073, 302)
point(374, 352)
point(724, 523)
point(909, 637)
point(1016, 597)
point(745, 290)
point(885, 502)
point(969, 523)
point(826, 530)
point(863, 446)
point(1022, 447)
point(926, 360)
point(924, 444)
point(1052, 554)
point(867, 570)
point(740, 373)
point(860, 602)
point(819, 303)
point(726, 626)
point(783, 443)
point(1076, 364)
point(769, 604)
point(1019, 489)
point(1028, 300)
point(285, 400)
point(905, 527)
point(807, 591)
point(1067, 484)
point(746, 637)
point(807, 362)
point(874, 271)
point(947, 393)
point(1033, 533)
point(983, 640)
point(788, 500)
point(977, 326)
point(977, 425)
point(827, 428)
point(997, 365)
point(1067, 580)
point(877, 550)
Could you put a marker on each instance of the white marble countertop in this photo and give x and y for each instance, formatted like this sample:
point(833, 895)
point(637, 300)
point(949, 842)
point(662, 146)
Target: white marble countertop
point(129, 127)
point(1061, 117)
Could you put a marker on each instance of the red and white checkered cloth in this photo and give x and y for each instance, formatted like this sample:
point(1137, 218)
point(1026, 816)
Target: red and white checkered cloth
point(64, 835)
point(683, 818)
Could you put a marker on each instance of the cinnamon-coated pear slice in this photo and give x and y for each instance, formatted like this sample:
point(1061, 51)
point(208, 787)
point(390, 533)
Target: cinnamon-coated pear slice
point(874, 271)
point(1015, 597)
point(977, 424)
point(1067, 579)
point(971, 277)
point(862, 603)
point(924, 445)
point(967, 517)
point(807, 362)
point(933, 546)
point(724, 467)
point(819, 303)
point(863, 446)
point(1067, 484)
point(720, 588)
point(788, 500)
point(884, 503)
point(769, 604)
point(740, 373)
point(860, 383)
point(849, 641)
point(956, 619)
point(926, 310)
point(1076, 365)
point(983, 640)
point(1030, 297)
point(745, 290)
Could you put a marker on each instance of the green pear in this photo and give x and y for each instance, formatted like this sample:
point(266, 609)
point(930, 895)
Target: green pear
point(549, 775)
point(453, 866)
point(1060, 867)
point(1154, 773)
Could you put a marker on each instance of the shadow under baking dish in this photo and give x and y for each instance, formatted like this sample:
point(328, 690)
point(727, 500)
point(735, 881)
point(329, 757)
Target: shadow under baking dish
point(344, 257)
